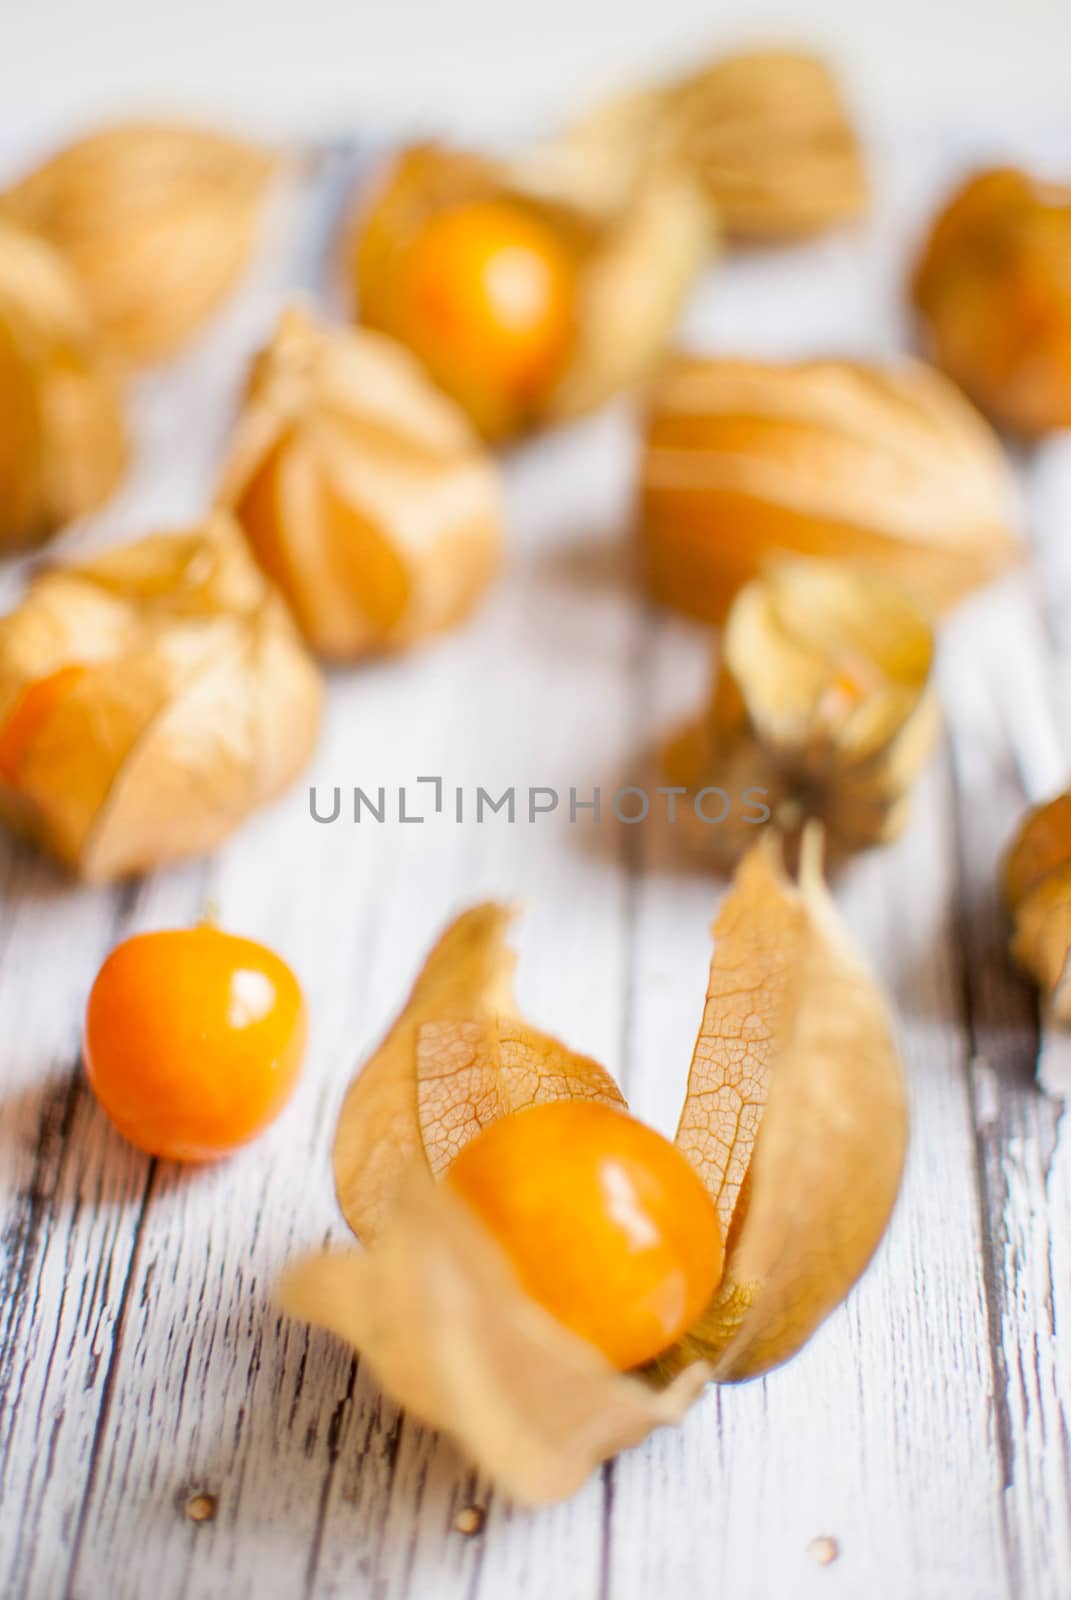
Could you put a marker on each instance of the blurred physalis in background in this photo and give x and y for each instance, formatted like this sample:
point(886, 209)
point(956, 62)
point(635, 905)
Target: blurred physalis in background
point(765, 133)
point(363, 491)
point(1037, 889)
point(157, 220)
point(149, 699)
point(822, 707)
point(890, 466)
point(994, 288)
point(62, 440)
point(526, 307)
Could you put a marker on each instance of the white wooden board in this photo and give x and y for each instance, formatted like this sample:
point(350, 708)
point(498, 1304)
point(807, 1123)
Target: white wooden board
point(919, 1448)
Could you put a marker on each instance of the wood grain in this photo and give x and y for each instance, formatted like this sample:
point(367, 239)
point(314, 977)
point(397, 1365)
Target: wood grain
point(165, 1431)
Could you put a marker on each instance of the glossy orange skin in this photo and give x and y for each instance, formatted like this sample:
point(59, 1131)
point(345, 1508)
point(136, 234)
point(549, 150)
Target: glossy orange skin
point(605, 1222)
point(194, 1040)
point(485, 296)
point(32, 710)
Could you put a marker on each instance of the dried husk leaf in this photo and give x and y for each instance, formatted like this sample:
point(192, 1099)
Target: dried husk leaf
point(158, 221)
point(632, 290)
point(595, 165)
point(822, 700)
point(795, 1116)
point(62, 440)
point(434, 1306)
point(438, 1315)
point(769, 134)
point(1037, 887)
point(362, 490)
point(457, 1058)
point(196, 702)
point(636, 255)
point(994, 288)
point(765, 134)
point(888, 467)
point(470, 1074)
point(795, 1120)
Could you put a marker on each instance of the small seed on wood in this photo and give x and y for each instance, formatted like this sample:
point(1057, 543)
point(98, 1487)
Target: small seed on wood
point(823, 1550)
point(470, 1519)
point(201, 1507)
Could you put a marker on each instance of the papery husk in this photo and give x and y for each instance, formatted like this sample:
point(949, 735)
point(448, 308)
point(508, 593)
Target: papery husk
point(1037, 888)
point(769, 134)
point(796, 1116)
point(439, 1316)
point(823, 706)
point(362, 490)
point(458, 1057)
point(62, 439)
point(994, 288)
point(745, 460)
point(632, 290)
point(197, 704)
point(594, 165)
point(765, 134)
point(794, 1038)
point(157, 219)
point(636, 256)
point(434, 1306)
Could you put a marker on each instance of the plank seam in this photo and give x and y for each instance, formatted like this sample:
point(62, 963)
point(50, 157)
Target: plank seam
point(108, 1387)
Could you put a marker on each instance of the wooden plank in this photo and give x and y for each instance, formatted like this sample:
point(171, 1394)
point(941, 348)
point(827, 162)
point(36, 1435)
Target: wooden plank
point(1045, 756)
point(567, 647)
point(73, 1199)
point(1009, 708)
point(75, 1195)
point(315, 1480)
point(879, 1435)
point(1007, 754)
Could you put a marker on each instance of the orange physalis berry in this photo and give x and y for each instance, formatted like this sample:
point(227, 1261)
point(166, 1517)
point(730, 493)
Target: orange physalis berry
point(193, 1040)
point(604, 1221)
point(485, 296)
point(31, 711)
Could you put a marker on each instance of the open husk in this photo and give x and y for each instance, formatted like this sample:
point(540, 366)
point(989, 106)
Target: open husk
point(62, 440)
point(634, 257)
point(461, 1015)
point(765, 133)
point(362, 490)
point(795, 1120)
point(1037, 888)
point(994, 288)
point(796, 1102)
point(822, 707)
point(149, 700)
point(157, 220)
point(745, 460)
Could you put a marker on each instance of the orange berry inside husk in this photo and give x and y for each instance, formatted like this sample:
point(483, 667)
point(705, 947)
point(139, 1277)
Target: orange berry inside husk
point(194, 1040)
point(604, 1221)
point(31, 712)
point(485, 296)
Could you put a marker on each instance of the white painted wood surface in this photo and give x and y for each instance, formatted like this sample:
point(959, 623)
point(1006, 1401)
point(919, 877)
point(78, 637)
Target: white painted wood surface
point(925, 1430)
